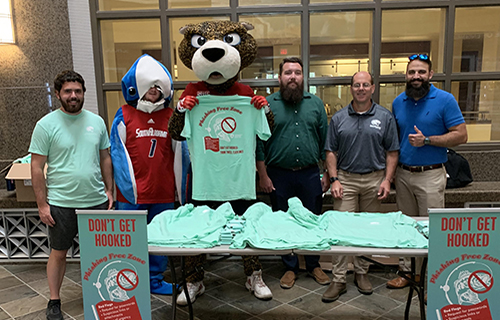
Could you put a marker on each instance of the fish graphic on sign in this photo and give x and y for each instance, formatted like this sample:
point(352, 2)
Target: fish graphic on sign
point(113, 283)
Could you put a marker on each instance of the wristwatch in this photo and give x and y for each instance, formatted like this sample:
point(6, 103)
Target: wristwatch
point(333, 179)
point(427, 141)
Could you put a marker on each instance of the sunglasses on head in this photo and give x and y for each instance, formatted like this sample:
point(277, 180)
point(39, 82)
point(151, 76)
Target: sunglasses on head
point(419, 56)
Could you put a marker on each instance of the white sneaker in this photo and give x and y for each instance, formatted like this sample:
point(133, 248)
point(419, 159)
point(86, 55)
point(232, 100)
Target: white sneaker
point(256, 285)
point(195, 289)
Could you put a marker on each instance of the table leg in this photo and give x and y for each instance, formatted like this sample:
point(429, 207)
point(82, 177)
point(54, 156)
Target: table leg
point(174, 288)
point(186, 292)
point(417, 286)
point(421, 296)
point(412, 287)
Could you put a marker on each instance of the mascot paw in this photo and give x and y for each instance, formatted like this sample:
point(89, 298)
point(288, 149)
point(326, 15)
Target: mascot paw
point(259, 102)
point(187, 103)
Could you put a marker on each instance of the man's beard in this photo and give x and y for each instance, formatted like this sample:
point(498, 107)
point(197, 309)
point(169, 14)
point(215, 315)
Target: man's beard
point(72, 109)
point(417, 93)
point(291, 95)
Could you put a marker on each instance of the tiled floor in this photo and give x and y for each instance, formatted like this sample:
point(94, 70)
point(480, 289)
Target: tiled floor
point(24, 295)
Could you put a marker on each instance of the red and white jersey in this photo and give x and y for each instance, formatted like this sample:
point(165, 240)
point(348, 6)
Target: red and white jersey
point(143, 158)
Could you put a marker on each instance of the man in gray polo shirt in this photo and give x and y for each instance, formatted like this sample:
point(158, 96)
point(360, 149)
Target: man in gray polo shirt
point(361, 156)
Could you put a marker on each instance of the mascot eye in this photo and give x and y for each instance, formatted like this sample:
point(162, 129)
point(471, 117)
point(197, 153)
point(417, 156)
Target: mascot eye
point(131, 91)
point(232, 39)
point(197, 41)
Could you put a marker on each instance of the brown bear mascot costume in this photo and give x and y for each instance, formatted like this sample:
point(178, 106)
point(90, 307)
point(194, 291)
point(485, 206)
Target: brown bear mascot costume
point(217, 51)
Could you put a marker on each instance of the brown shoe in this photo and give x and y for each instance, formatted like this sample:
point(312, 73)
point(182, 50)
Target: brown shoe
point(288, 280)
point(400, 282)
point(319, 276)
point(363, 283)
point(334, 291)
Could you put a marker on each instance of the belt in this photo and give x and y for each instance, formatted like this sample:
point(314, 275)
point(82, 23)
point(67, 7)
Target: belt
point(296, 168)
point(360, 173)
point(420, 168)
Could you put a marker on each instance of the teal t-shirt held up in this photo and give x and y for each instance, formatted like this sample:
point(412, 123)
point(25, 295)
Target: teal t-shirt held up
point(72, 144)
point(221, 135)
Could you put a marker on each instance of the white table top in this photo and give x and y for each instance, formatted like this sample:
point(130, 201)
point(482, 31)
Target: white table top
point(335, 250)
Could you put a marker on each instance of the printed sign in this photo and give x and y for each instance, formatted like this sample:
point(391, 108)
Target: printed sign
point(114, 263)
point(220, 126)
point(464, 261)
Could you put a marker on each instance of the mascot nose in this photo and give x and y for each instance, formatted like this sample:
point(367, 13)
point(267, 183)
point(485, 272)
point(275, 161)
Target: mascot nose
point(213, 54)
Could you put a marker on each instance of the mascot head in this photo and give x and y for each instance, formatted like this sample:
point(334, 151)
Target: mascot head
point(217, 50)
point(147, 73)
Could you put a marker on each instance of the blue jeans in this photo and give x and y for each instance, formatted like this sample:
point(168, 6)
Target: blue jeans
point(304, 184)
point(157, 264)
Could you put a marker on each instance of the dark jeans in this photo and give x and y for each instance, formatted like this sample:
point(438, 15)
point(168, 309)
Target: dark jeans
point(304, 184)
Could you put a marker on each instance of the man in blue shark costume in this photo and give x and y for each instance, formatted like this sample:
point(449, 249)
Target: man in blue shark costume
point(148, 164)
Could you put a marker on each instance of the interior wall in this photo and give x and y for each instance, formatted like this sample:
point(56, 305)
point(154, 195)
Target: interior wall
point(27, 72)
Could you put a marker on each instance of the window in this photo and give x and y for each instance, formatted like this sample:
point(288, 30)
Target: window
point(480, 105)
point(114, 100)
point(405, 32)
point(340, 43)
point(105, 5)
point(334, 97)
point(267, 2)
point(197, 3)
point(477, 40)
point(329, 1)
point(278, 37)
point(341, 38)
point(123, 41)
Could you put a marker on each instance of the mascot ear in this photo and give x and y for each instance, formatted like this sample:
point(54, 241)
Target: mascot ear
point(185, 29)
point(247, 26)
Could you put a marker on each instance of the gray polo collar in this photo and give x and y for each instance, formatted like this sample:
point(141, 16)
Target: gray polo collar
point(353, 112)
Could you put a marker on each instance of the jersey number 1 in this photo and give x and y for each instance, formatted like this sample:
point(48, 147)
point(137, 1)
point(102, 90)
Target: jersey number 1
point(153, 148)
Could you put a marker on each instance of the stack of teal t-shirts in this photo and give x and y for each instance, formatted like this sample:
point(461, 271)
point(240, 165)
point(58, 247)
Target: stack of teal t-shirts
point(295, 229)
point(232, 228)
point(423, 227)
point(382, 230)
point(189, 226)
point(25, 159)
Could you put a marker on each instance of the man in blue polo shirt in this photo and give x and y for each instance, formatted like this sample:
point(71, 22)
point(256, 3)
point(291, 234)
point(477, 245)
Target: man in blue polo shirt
point(361, 156)
point(429, 121)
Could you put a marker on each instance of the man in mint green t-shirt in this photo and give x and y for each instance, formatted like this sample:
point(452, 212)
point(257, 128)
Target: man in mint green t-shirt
point(74, 144)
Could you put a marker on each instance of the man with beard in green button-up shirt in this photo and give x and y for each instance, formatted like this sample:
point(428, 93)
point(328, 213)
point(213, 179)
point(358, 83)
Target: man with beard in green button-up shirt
point(292, 155)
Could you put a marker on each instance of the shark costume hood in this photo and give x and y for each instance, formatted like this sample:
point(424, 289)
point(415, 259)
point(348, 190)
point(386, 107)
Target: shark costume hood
point(144, 74)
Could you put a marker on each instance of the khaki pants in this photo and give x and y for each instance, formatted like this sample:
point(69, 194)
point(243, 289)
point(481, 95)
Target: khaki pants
point(360, 195)
point(415, 193)
point(418, 191)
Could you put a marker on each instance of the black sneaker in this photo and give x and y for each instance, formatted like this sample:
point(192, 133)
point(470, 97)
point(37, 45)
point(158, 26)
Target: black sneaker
point(53, 311)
